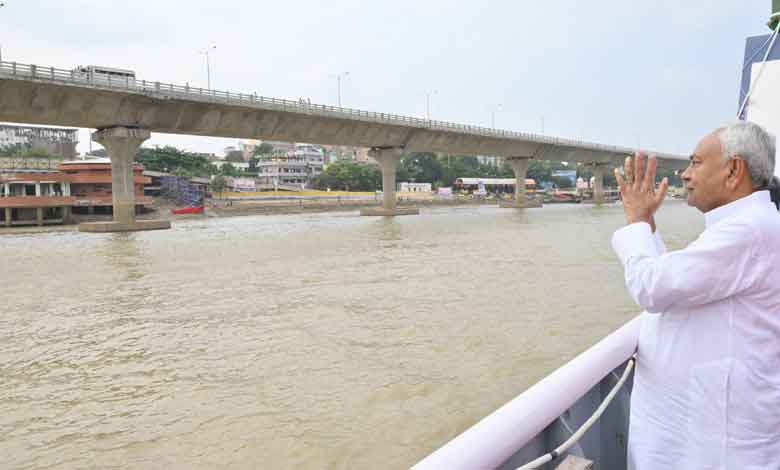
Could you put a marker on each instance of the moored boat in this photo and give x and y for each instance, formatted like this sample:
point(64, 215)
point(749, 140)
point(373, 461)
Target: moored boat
point(189, 210)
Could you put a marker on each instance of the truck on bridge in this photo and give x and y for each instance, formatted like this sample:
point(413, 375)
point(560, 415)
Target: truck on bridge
point(106, 75)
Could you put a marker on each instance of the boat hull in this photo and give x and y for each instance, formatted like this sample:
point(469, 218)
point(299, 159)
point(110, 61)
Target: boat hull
point(189, 210)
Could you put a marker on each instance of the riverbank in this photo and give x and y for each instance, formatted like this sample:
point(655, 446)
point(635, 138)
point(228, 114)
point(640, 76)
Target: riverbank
point(220, 208)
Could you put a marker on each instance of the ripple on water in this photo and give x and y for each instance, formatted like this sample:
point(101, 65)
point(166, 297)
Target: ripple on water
point(295, 341)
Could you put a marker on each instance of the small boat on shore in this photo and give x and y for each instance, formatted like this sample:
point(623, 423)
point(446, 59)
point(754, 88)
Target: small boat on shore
point(189, 210)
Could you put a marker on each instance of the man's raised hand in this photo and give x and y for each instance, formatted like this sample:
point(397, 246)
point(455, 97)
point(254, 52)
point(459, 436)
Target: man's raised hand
point(640, 197)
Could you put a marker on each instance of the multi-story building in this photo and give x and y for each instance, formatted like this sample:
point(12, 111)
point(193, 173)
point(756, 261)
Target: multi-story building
point(49, 197)
point(242, 166)
point(279, 146)
point(293, 168)
point(59, 142)
point(491, 160)
point(345, 152)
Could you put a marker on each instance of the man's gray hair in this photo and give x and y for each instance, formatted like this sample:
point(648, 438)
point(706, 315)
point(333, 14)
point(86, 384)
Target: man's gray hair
point(753, 144)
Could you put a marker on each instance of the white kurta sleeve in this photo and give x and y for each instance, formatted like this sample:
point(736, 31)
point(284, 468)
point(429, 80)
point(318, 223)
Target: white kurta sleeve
point(717, 265)
point(660, 246)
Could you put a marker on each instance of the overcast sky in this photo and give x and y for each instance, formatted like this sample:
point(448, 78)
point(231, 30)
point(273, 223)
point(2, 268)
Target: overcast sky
point(659, 73)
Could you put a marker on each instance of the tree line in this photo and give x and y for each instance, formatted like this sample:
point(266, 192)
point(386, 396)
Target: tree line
point(443, 170)
point(440, 170)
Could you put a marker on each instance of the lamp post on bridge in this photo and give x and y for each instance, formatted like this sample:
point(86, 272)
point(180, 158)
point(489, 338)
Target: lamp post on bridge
point(428, 103)
point(498, 107)
point(339, 76)
point(208, 64)
point(2, 4)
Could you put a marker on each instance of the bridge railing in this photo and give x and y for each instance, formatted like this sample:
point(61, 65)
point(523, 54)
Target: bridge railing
point(74, 77)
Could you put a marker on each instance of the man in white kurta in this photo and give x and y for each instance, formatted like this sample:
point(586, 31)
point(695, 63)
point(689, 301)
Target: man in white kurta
point(707, 383)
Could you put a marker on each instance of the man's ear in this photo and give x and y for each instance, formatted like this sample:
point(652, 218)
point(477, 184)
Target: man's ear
point(737, 171)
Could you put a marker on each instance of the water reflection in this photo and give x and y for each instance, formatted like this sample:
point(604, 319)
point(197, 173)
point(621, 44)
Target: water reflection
point(123, 251)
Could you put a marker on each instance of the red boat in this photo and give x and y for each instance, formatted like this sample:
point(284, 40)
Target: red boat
point(189, 210)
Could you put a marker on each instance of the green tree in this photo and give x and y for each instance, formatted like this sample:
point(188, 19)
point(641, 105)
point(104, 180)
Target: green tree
point(234, 156)
point(25, 151)
point(423, 167)
point(227, 169)
point(171, 159)
point(349, 176)
point(219, 184)
point(9, 150)
point(541, 170)
point(264, 149)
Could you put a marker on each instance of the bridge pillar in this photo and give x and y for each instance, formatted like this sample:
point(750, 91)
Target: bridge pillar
point(121, 144)
point(388, 159)
point(520, 166)
point(599, 170)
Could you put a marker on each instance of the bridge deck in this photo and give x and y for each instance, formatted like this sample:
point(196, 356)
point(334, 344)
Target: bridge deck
point(54, 96)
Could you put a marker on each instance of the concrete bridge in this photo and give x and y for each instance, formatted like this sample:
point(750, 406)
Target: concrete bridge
point(126, 110)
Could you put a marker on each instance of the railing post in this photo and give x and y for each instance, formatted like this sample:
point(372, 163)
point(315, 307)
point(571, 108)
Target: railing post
point(32, 70)
point(14, 68)
point(52, 72)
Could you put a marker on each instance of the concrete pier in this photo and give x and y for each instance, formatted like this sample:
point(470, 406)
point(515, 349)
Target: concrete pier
point(388, 159)
point(520, 167)
point(121, 143)
point(599, 170)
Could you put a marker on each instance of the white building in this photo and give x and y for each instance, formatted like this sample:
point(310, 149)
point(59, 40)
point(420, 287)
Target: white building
point(295, 167)
point(491, 160)
point(243, 166)
point(58, 141)
point(415, 187)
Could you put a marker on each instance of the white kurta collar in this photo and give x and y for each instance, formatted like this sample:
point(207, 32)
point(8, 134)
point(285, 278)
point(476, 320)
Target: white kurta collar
point(719, 213)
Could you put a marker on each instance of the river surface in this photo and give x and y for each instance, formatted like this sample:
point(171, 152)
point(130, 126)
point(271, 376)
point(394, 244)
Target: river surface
point(308, 341)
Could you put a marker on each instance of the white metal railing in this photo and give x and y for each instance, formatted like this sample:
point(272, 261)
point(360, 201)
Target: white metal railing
point(17, 70)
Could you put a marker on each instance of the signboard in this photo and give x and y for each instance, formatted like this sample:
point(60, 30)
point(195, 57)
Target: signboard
point(242, 184)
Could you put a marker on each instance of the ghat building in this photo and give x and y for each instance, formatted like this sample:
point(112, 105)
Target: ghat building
point(40, 197)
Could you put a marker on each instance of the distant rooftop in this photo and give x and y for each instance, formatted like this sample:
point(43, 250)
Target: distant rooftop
point(91, 160)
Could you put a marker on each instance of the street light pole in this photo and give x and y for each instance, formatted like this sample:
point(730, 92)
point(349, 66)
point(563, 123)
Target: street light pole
point(493, 116)
point(2, 4)
point(208, 64)
point(338, 79)
point(428, 103)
